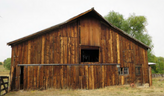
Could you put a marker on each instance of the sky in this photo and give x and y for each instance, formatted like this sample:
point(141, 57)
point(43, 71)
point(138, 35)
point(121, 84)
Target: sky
point(19, 18)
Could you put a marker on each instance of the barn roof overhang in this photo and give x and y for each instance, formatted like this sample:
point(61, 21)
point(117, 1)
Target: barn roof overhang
point(90, 12)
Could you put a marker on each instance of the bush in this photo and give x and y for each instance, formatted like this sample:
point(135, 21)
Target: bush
point(0, 63)
point(7, 63)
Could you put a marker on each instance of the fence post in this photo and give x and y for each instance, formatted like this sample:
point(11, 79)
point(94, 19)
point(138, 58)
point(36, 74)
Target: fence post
point(150, 77)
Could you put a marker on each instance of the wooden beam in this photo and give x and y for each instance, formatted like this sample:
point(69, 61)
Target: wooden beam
point(63, 64)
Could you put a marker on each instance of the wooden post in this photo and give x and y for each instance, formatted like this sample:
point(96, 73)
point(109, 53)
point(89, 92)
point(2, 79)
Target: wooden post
point(150, 77)
point(0, 86)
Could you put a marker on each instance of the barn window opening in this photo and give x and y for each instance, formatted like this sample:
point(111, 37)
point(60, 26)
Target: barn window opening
point(138, 70)
point(126, 70)
point(89, 55)
point(123, 71)
point(120, 71)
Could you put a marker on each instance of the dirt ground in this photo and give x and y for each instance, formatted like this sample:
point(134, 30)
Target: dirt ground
point(156, 90)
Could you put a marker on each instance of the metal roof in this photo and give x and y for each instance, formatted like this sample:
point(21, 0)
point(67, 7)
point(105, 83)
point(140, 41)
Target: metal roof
point(69, 20)
point(151, 63)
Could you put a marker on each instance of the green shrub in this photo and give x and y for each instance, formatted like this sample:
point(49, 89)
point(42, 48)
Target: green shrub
point(7, 63)
point(0, 63)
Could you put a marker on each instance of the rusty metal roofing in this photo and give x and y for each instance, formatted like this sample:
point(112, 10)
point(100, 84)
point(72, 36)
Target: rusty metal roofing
point(69, 20)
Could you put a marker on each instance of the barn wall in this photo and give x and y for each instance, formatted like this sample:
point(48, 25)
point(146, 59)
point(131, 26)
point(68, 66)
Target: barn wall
point(58, 46)
point(74, 77)
point(115, 48)
point(62, 46)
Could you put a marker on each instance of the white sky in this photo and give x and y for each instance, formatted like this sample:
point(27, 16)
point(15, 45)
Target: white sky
point(20, 18)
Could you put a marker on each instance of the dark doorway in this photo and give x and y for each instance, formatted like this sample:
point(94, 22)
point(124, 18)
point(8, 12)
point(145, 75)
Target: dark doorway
point(138, 74)
point(21, 77)
point(89, 55)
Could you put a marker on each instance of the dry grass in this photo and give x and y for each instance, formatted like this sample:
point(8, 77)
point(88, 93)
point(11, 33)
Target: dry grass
point(3, 71)
point(156, 90)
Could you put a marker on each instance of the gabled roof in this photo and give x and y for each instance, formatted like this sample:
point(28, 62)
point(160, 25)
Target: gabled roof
point(91, 11)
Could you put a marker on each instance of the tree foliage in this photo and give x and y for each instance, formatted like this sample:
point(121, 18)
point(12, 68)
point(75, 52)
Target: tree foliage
point(135, 26)
point(159, 67)
point(115, 18)
point(0, 63)
point(7, 63)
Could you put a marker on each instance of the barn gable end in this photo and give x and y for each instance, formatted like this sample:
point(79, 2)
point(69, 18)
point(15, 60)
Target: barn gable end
point(85, 52)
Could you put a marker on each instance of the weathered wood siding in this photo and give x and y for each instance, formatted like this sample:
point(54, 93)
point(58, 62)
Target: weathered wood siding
point(90, 32)
point(63, 46)
point(69, 76)
point(115, 48)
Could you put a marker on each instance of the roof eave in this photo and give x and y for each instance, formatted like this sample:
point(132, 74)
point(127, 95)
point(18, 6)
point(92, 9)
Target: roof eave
point(45, 30)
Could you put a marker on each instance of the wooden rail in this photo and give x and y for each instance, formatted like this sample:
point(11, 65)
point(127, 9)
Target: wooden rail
point(4, 83)
point(66, 64)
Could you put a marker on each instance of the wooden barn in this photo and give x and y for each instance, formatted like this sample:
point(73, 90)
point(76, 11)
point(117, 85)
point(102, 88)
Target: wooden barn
point(84, 52)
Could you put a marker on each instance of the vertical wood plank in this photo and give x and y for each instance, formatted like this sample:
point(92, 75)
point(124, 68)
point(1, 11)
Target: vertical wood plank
point(86, 76)
point(68, 77)
point(35, 62)
point(111, 43)
point(29, 57)
point(150, 77)
point(41, 82)
point(80, 77)
point(65, 62)
point(103, 51)
point(89, 77)
point(103, 76)
point(118, 49)
point(55, 61)
point(17, 68)
point(62, 60)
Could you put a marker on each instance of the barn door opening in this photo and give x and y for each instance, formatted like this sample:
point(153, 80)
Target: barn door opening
point(21, 76)
point(138, 74)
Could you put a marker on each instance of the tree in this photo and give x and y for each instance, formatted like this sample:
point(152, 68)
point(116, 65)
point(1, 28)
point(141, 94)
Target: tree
point(7, 63)
point(0, 63)
point(115, 18)
point(160, 64)
point(133, 25)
